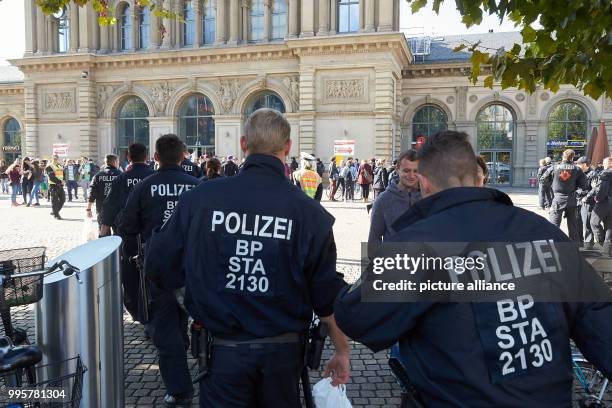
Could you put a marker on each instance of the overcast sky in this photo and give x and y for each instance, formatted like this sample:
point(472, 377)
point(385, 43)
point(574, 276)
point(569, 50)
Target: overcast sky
point(12, 30)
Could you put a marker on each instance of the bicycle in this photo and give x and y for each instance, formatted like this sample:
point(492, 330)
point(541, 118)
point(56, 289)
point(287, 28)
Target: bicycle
point(21, 283)
point(592, 382)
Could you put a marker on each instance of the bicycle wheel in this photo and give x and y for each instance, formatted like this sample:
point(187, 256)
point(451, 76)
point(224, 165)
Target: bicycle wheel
point(590, 384)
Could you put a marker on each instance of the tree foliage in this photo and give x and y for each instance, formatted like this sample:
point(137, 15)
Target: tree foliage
point(572, 43)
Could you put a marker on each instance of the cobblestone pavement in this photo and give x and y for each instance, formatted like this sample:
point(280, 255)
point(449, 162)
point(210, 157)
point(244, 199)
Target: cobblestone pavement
point(371, 382)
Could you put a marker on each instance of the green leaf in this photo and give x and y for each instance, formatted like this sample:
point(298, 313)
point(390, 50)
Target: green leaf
point(460, 48)
point(488, 82)
point(417, 5)
point(529, 34)
point(436, 5)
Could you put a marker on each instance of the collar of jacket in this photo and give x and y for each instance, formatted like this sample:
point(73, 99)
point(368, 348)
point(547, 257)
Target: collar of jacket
point(446, 199)
point(171, 167)
point(264, 162)
point(134, 165)
point(110, 168)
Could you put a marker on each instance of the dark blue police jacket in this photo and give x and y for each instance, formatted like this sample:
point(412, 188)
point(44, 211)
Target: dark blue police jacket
point(191, 168)
point(255, 254)
point(115, 202)
point(153, 200)
point(462, 354)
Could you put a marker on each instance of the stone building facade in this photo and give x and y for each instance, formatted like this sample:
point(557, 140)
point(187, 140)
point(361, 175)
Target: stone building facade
point(339, 69)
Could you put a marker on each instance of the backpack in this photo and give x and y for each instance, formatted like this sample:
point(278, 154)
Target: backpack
point(367, 176)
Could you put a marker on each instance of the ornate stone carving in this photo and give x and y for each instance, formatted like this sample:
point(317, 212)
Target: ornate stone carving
point(450, 99)
point(607, 105)
point(59, 102)
point(406, 101)
point(473, 98)
point(532, 104)
point(104, 93)
point(461, 102)
point(545, 96)
point(228, 92)
point(161, 94)
point(293, 85)
point(342, 90)
point(520, 97)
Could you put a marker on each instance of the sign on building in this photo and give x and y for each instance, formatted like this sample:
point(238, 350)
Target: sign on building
point(60, 149)
point(344, 147)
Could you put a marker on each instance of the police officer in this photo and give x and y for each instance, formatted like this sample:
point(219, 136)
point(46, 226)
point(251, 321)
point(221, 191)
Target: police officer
point(55, 173)
point(566, 179)
point(602, 210)
point(230, 168)
point(190, 167)
point(100, 188)
point(113, 205)
point(149, 205)
point(478, 354)
point(585, 203)
point(254, 270)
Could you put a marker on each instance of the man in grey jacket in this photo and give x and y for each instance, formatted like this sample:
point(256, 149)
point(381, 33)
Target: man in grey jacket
point(396, 199)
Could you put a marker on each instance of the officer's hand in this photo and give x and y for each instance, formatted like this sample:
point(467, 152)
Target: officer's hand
point(89, 213)
point(339, 368)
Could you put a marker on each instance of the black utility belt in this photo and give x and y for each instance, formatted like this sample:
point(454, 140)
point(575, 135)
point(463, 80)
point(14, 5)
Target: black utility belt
point(283, 338)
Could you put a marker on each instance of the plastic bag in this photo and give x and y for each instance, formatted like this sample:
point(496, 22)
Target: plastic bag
point(90, 229)
point(327, 396)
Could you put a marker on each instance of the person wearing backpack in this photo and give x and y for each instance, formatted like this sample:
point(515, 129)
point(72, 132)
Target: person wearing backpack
point(365, 178)
point(350, 175)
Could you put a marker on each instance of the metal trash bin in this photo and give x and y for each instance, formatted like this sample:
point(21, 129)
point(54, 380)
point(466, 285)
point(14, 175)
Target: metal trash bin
point(87, 319)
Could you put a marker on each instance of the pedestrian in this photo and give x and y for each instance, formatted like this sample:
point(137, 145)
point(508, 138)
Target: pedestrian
point(86, 171)
point(100, 189)
point(190, 167)
point(71, 176)
point(602, 210)
point(320, 167)
point(333, 178)
point(545, 194)
point(565, 178)
point(26, 179)
point(55, 175)
point(350, 177)
point(112, 210)
point(381, 178)
point(365, 178)
point(256, 312)
point(307, 179)
point(230, 168)
point(473, 354)
point(14, 176)
point(342, 178)
point(294, 165)
point(37, 179)
point(586, 204)
point(213, 169)
point(396, 200)
point(393, 175)
point(4, 179)
point(44, 186)
point(150, 205)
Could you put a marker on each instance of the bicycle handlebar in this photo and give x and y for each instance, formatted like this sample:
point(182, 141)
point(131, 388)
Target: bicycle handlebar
point(63, 265)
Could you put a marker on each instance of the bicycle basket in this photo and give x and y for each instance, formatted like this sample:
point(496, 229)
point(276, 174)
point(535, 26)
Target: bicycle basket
point(63, 380)
point(16, 290)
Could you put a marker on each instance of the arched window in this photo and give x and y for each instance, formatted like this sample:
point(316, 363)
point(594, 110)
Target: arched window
point(348, 16)
point(427, 121)
point(132, 125)
point(144, 21)
point(12, 140)
point(495, 133)
point(197, 125)
point(63, 30)
point(266, 99)
point(567, 129)
point(188, 24)
point(256, 20)
point(125, 28)
point(279, 19)
point(209, 23)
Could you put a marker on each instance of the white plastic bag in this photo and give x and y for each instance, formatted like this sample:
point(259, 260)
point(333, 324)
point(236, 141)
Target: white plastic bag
point(90, 229)
point(327, 396)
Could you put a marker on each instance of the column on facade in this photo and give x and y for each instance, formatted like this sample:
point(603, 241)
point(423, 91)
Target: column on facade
point(333, 21)
point(86, 100)
point(51, 34)
point(245, 20)
point(307, 110)
point(323, 17)
point(198, 12)
point(293, 18)
point(134, 15)
point(31, 120)
point(41, 32)
point(307, 18)
point(267, 19)
point(154, 30)
point(361, 15)
point(166, 39)
point(370, 12)
point(30, 27)
point(178, 10)
point(385, 13)
point(234, 22)
point(384, 106)
point(104, 38)
point(74, 27)
point(220, 21)
point(88, 30)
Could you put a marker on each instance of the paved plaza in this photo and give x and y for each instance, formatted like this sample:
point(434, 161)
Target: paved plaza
point(371, 383)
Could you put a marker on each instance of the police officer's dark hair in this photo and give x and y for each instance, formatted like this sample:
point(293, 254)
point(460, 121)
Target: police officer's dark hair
point(213, 165)
point(169, 149)
point(266, 131)
point(448, 156)
point(410, 155)
point(110, 159)
point(137, 152)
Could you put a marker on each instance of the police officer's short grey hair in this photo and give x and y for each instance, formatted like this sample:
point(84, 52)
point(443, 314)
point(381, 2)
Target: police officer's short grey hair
point(568, 155)
point(110, 159)
point(266, 132)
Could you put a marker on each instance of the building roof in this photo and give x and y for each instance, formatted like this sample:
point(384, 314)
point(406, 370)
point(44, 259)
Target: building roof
point(441, 48)
point(9, 74)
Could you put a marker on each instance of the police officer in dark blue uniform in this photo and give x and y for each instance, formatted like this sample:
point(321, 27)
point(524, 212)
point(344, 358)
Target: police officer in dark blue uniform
point(566, 179)
point(253, 270)
point(100, 188)
point(602, 210)
point(586, 203)
point(510, 353)
point(111, 211)
point(190, 167)
point(149, 205)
